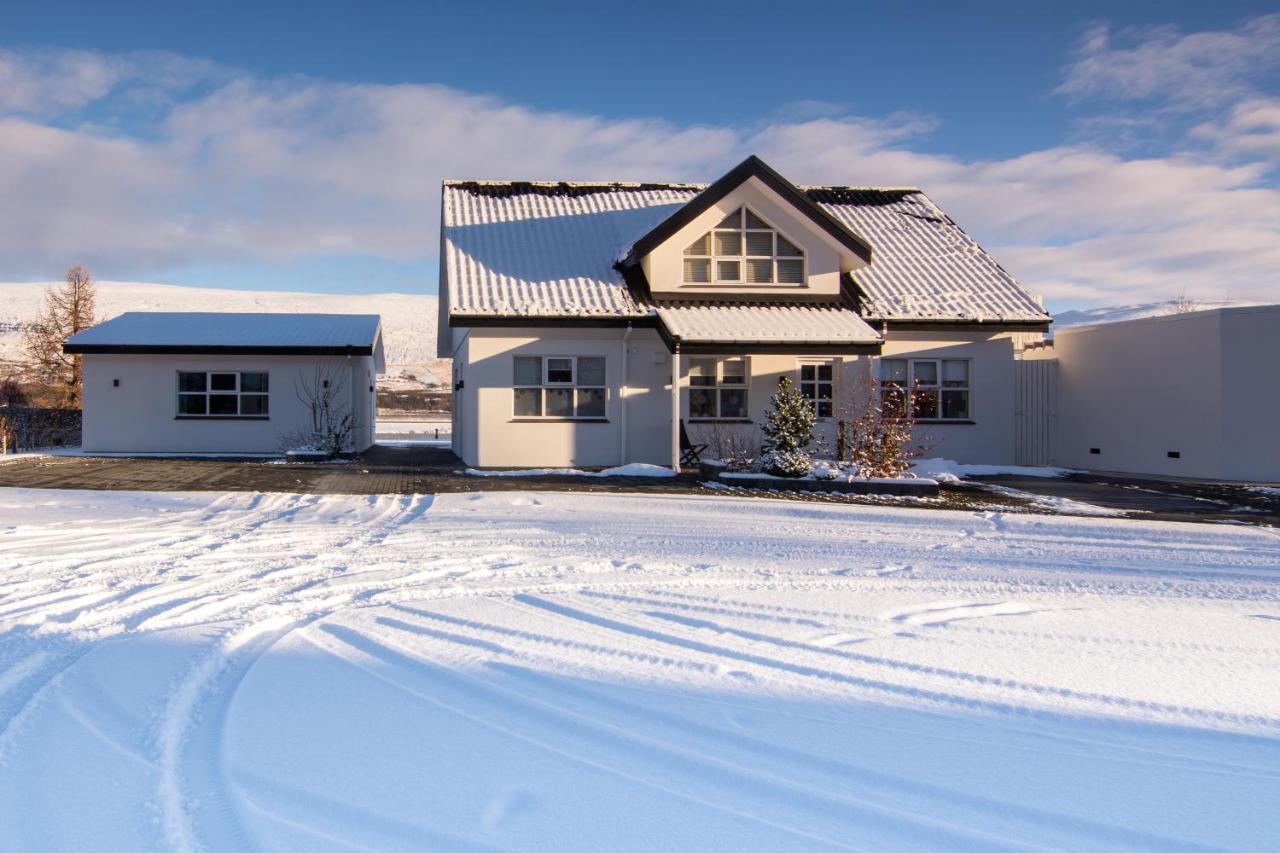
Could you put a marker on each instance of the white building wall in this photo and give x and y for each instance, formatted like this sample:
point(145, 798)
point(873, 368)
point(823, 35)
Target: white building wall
point(1251, 393)
point(139, 414)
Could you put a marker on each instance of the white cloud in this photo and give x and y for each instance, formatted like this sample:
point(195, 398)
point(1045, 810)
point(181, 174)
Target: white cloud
point(229, 167)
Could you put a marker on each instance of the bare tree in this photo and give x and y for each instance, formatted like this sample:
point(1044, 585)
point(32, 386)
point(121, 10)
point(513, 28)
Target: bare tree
point(878, 430)
point(332, 422)
point(67, 309)
point(1184, 304)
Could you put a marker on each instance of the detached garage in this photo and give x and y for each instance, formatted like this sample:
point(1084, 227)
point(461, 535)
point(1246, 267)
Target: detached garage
point(225, 383)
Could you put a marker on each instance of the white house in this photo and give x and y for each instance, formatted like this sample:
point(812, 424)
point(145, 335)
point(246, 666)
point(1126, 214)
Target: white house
point(1185, 395)
point(586, 321)
point(222, 382)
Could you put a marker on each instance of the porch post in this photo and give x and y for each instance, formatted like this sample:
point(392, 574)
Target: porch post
point(675, 408)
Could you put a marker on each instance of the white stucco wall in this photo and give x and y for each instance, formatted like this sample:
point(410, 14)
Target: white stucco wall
point(139, 415)
point(1200, 384)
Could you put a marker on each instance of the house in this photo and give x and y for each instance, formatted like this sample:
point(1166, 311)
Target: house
point(586, 321)
point(1183, 395)
point(223, 382)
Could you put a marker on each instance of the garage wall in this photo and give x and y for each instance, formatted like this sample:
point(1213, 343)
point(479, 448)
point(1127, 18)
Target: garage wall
point(139, 415)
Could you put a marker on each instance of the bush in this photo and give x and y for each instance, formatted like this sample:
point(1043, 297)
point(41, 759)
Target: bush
point(736, 445)
point(788, 430)
point(877, 434)
point(29, 428)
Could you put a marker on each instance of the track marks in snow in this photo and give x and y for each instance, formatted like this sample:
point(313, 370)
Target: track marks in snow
point(942, 613)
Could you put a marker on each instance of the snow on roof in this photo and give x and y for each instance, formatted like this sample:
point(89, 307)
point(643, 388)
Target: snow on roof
point(765, 324)
point(213, 331)
point(549, 249)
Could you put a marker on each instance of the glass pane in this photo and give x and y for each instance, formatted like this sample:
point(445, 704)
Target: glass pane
point(754, 221)
point(760, 243)
point(560, 402)
point(926, 372)
point(733, 402)
point(253, 404)
point(955, 373)
point(807, 390)
point(697, 270)
point(223, 404)
point(760, 271)
point(192, 404)
point(701, 246)
point(824, 408)
point(222, 382)
point(824, 391)
point(702, 403)
point(925, 403)
point(728, 243)
point(191, 382)
point(591, 370)
point(791, 271)
point(788, 249)
point(528, 370)
point(824, 372)
point(955, 404)
point(728, 271)
point(253, 382)
point(893, 370)
point(734, 372)
point(806, 372)
point(560, 371)
point(528, 403)
point(591, 402)
point(733, 220)
point(702, 371)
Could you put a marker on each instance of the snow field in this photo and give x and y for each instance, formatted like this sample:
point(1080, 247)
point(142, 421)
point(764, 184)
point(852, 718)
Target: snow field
point(558, 671)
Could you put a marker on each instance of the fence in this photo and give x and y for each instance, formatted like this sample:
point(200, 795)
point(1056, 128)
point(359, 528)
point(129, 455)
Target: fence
point(1036, 410)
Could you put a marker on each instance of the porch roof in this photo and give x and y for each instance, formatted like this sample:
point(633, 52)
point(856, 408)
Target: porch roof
point(774, 324)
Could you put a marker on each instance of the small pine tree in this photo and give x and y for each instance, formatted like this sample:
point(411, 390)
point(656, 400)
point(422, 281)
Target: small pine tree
point(788, 430)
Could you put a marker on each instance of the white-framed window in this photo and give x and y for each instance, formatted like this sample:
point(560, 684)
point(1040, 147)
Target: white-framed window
point(559, 386)
point(938, 388)
point(743, 249)
point(223, 394)
point(818, 385)
point(718, 388)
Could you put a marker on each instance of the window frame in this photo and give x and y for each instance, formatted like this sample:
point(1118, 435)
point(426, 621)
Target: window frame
point(574, 385)
point(814, 399)
point(742, 259)
point(209, 392)
point(938, 387)
point(719, 386)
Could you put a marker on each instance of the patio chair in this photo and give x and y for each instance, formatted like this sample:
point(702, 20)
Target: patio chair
point(690, 453)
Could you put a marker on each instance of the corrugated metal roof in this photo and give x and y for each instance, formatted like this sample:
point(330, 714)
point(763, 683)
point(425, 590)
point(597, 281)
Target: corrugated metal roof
point(772, 324)
point(218, 329)
point(549, 249)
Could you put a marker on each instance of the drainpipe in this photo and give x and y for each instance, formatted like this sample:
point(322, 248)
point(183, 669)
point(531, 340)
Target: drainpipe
point(675, 407)
point(622, 397)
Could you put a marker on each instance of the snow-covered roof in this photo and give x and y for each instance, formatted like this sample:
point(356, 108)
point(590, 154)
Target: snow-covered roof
point(218, 332)
point(782, 323)
point(522, 249)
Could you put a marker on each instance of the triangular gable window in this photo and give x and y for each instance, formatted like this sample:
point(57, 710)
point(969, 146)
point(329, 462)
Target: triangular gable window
point(743, 249)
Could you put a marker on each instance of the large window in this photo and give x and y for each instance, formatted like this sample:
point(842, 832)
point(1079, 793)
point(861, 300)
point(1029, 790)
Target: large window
point(937, 388)
point(743, 249)
point(571, 386)
point(222, 394)
point(817, 385)
point(717, 389)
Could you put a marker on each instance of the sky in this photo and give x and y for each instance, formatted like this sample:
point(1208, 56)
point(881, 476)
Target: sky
point(1105, 153)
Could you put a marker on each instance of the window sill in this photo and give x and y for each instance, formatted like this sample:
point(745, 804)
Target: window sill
point(957, 422)
point(558, 421)
point(721, 421)
point(222, 417)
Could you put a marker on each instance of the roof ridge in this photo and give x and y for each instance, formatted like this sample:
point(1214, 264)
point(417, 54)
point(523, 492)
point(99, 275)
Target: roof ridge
point(674, 185)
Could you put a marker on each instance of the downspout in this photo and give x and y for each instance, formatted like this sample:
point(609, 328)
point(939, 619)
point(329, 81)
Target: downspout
point(675, 407)
point(622, 397)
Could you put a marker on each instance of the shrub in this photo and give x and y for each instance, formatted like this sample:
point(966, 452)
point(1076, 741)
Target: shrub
point(788, 430)
point(877, 435)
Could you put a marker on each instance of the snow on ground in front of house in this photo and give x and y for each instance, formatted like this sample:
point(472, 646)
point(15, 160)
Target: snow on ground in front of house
point(947, 470)
point(559, 671)
point(631, 469)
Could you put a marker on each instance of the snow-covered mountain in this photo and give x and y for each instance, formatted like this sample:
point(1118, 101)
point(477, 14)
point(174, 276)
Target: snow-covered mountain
point(408, 321)
point(1117, 313)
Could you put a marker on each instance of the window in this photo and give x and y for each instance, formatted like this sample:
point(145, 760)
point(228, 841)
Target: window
point(717, 389)
point(559, 386)
point(222, 394)
point(743, 248)
point(817, 385)
point(938, 389)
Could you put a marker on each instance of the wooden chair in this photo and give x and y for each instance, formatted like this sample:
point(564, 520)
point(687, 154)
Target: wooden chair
point(690, 453)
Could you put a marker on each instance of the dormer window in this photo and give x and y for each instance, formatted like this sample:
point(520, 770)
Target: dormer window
point(743, 249)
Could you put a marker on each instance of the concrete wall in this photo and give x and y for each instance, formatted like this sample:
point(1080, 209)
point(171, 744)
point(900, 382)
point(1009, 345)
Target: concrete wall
point(139, 415)
point(1202, 385)
point(486, 433)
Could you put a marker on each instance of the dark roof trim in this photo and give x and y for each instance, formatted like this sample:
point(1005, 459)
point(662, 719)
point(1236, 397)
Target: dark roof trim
point(527, 322)
point(198, 349)
point(961, 325)
point(753, 166)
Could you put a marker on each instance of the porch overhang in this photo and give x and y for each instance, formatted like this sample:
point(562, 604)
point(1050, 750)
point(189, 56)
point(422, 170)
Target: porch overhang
point(766, 329)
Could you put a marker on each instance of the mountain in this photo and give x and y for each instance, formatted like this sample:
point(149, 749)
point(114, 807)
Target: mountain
point(1119, 313)
point(408, 320)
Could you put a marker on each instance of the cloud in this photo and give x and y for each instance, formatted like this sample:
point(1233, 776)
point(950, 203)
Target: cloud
point(216, 166)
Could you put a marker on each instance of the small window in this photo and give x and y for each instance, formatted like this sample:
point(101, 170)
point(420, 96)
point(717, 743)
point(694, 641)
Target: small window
point(817, 385)
point(743, 248)
point(565, 387)
point(221, 394)
point(717, 389)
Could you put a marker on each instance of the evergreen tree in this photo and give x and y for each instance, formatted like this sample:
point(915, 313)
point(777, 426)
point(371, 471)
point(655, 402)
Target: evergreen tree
point(788, 430)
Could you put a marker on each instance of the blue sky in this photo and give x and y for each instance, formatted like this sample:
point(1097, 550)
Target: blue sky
point(1105, 153)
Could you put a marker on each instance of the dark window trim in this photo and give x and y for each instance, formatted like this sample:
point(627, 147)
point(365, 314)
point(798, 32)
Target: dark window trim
point(222, 417)
point(558, 421)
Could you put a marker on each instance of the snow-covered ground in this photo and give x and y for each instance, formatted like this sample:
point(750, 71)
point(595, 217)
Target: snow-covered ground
point(558, 671)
